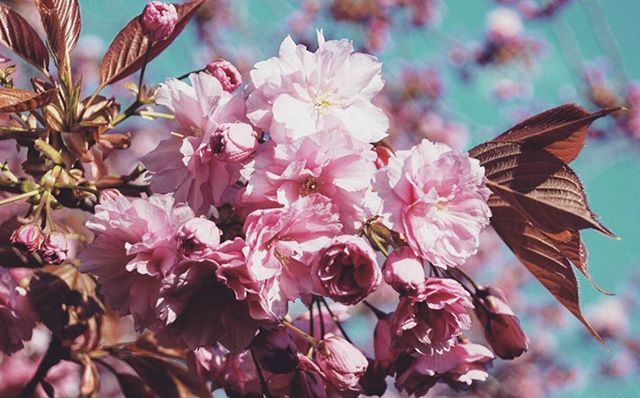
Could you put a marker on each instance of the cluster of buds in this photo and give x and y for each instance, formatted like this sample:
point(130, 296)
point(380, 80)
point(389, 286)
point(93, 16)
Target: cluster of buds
point(52, 247)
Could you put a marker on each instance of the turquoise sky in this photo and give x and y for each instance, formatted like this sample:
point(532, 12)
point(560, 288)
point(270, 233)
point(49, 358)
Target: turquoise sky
point(609, 171)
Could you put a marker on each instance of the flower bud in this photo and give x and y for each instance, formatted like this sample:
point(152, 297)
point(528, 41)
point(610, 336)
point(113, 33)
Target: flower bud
point(198, 237)
point(501, 327)
point(373, 382)
point(382, 340)
point(342, 363)
point(54, 248)
point(404, 271)
point(159, 19)
point(226, 73)
point(27, 237)
point(275, 350)
point(234, 142)
point(307, 382)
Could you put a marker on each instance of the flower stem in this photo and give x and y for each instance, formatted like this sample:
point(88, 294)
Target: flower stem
point(263, 383)
point(301, 332)
point(376, 311)
point(16, 198)
point(336, 320)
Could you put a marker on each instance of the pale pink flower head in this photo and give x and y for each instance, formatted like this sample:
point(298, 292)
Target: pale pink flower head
point(501, 327)
point(27, 237)
point(404, 271)
point(342, 363)
point(226, 73)
point(54, 248)
point(331, 163)
point(134, 248)
point(159, 19)
point(346, 270)
point(17, 318)
point(436, 197)
point(610, 317)
point(198, 237)
point(283, 242)
point(459, 367)
point(189, 167)
point(504, 25)
point(299, 92)
point(434, 324)
point(234, 142)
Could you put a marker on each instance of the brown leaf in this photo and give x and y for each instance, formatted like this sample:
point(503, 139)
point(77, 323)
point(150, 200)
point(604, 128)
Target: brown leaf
point(19, 36)
point(128, 51)
point(541, 257)
point(16, 100)
point(133, 387)
point(62, 22)
point(560, 131)
point(538, 185)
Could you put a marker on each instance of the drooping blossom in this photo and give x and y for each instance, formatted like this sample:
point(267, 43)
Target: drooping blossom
point(283, 242)
point(283, 173)
point(300, 92)
point(434, 324)
point(159, 19)
point(346, 270)
point(17, 318)
point(226, 73)
point(27, 237)
point(459, 367)
point(209, 300)
point(196, 167)
point(501, 326)
point(308, 380)
point(436, 197)
point(135, 246)
point(275, 350)
point(341, 362)
point(404, 271)
point(54, 248)
point(382, 338)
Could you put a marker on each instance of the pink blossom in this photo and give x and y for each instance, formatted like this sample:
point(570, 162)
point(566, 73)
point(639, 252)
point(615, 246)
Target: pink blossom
point(54, 248)
point(436, 197)
point(17, 318)
point(191, 167)
point(463, 364)
point(283, 173)
point(503, 25)
point(346, 270)
point(159, 19)
point(198, 237)
point(135, 246)
point(275, 350)
point(405, 272)
point(342, 363)
point(501, 327)
point(233, 142)
point(300, 92)
point(27, 237)
point(283, 242)
point(434, 324)
point(226, 73)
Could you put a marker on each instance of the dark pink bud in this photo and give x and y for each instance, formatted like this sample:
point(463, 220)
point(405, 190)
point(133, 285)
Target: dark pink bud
point(54, 248)
point(27, 237)
point(342, 363)
point(234, 142)
point(198, 237)
point(501, 327)
point(226, 73)
point(373, 382)
point(275, 350)
point(404, 271)
point(159, 19)
point(382, 340)
point(308, 380)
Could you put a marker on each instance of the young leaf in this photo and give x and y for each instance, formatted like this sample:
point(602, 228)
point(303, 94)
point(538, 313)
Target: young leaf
point(538, 185)
point(16, 100)
point(19, 36)
point(128, 51)
point(62, 22)
point(540, 255)
point(560, 131)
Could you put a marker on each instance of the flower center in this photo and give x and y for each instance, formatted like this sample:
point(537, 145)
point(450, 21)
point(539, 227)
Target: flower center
point(308, 186)
point(321, 103)
point(217, 144)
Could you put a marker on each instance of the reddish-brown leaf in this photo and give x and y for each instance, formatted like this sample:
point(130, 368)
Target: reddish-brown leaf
point(62, 22)
point(538, 185)
point(16, 100)
point(19, 36)
point(128, 51)
point(560, 131)
point(540, 255)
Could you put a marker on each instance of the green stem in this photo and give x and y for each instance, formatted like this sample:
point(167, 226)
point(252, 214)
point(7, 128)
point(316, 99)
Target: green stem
point(16, 198)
